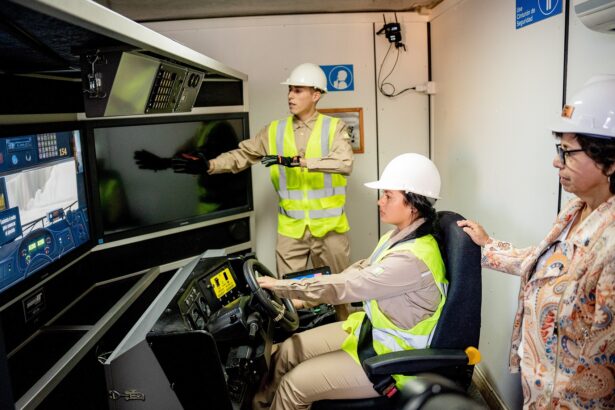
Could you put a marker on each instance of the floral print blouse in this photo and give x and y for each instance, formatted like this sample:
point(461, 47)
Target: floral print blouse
point(565, 311)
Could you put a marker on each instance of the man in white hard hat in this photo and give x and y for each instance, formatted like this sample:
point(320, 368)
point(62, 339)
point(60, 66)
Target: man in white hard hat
point(309, 155)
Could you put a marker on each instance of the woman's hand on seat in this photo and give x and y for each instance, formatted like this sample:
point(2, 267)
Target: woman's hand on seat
point(475, 231)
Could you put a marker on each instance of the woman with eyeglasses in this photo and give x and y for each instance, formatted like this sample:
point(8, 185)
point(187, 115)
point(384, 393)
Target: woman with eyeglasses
point(563, 338)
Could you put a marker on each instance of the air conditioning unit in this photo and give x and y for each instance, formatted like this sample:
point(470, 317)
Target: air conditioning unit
point(597, 15)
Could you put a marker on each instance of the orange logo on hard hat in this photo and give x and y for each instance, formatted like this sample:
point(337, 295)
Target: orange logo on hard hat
point(567, 111)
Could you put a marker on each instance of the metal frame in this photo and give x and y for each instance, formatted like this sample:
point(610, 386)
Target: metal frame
point(99, 19)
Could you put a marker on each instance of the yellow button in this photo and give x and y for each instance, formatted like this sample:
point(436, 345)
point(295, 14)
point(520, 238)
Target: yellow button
point(473, 355)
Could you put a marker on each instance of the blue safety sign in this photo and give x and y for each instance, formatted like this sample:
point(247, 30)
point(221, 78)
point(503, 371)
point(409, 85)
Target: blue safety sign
point(339, 77)
point(531, 11)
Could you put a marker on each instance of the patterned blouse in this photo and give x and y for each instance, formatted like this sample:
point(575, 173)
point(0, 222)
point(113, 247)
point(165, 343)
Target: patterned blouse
point(565, 311)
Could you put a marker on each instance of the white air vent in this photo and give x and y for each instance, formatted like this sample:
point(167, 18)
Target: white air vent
point(597, 15)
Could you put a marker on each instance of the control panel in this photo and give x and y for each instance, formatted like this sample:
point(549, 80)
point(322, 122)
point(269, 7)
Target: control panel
point(208, 292)
point(42, 246)
point(30, 150)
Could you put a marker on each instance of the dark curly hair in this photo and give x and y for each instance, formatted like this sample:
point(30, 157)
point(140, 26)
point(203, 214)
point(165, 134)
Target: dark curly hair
point(425, 208)
point(422, 204)
point(600, 150)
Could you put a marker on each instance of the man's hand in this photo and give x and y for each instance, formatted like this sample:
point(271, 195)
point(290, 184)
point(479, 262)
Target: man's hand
point(147, 160)
point(266, 282)
point(269, 160)
point(194, 163)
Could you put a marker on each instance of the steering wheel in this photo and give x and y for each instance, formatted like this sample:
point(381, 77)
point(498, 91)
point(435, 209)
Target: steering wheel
point(280, 310)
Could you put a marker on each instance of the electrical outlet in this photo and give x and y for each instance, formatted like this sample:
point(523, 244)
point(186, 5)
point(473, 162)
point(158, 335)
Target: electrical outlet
point(428, 88)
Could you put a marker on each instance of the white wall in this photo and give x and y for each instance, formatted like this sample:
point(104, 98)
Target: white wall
point(498, 90)
point(268, 48)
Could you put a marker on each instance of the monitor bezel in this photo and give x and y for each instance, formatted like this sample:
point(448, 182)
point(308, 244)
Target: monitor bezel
point(165, 228)
point(39, 278)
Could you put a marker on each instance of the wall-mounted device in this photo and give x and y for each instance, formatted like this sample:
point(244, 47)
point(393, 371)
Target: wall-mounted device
point(392, 31)
point(131, 83)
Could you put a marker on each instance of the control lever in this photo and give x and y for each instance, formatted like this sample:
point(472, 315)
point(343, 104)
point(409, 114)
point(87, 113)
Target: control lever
point(253, 322)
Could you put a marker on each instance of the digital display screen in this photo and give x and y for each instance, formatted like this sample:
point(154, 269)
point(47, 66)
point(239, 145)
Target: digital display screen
point(41, 174)
point(139, 191)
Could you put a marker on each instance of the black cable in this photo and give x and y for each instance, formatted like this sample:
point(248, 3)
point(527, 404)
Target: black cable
point(382, 84)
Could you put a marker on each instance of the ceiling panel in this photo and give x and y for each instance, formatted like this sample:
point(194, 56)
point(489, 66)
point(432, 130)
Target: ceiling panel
point(155, 10)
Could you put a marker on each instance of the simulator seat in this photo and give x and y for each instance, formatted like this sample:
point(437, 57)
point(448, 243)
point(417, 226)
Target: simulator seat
point(457, 329)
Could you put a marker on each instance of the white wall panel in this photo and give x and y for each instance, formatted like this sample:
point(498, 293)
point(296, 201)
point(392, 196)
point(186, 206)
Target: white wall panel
point(498, 89)
point(403, 120)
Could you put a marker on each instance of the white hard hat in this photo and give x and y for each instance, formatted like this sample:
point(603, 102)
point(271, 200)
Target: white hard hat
point(592, 109)
point(410, 173)
point(308, 75)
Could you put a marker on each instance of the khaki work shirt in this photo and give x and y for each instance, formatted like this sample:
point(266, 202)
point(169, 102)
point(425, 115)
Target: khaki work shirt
point(338, 161)
point(401, 283)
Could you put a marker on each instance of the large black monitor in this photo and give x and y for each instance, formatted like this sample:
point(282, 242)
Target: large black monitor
point(43, 203)
point(137, 191)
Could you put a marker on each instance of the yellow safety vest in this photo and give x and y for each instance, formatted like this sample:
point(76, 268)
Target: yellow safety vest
point(307, 199)
point(388, 337)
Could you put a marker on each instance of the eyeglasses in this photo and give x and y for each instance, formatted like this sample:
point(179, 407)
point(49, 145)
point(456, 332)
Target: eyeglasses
point(562, 153)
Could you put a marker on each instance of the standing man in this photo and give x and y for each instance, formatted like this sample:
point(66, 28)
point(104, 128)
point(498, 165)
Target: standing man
point(310, 156)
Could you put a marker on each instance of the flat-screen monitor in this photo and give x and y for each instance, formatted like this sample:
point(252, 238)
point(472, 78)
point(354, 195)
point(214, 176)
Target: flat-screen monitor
point(43, 201)
point(138, 191)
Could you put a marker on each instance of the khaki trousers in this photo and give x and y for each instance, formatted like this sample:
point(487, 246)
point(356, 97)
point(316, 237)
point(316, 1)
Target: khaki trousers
point(332, 250)
point(292, 254)
point(311, 366)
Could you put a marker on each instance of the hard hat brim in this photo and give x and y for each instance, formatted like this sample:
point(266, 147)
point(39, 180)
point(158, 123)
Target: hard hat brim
point(563, 128)
point(287, 82)
point(383, 185)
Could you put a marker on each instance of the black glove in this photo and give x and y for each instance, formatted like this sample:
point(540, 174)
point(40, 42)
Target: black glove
point(147, 160)
point(194, 163)
point(269, 160)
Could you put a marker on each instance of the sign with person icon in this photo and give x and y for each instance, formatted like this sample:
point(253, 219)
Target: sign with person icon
point(339, 77)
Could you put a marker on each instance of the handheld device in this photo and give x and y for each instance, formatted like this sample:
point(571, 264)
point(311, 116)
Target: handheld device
point(308, 273)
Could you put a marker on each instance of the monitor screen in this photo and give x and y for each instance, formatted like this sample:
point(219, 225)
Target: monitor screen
point(138, 190)
point(43, 207)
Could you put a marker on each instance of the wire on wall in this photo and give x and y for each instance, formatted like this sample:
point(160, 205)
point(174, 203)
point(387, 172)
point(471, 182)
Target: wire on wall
point(392, 32)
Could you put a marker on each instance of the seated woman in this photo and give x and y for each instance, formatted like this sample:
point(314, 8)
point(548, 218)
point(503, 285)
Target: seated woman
point(402, 286)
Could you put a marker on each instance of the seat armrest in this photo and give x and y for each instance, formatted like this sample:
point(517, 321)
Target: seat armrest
point(414, 361)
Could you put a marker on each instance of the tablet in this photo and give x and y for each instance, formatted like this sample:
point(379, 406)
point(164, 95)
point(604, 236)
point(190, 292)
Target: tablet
point(309, 273)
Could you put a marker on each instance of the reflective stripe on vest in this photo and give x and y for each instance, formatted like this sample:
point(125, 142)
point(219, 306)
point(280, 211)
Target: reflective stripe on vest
point(312, 199)
point(325, 213)
point(387, 337)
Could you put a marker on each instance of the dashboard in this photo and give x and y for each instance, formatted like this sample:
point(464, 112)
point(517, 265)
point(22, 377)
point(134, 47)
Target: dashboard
point(210, 290)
